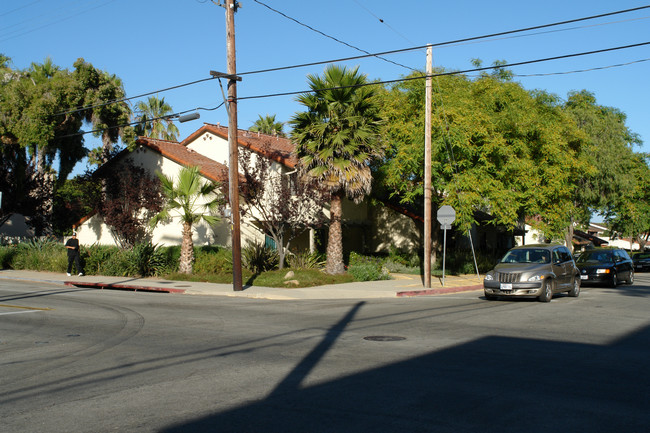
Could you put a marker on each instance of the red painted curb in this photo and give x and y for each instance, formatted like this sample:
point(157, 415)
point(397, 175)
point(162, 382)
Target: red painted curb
point(124, 287)
point(441, 291)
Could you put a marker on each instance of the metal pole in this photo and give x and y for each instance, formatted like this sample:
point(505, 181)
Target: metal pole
point(444, 254)
point(233, 165)
point(427, 172)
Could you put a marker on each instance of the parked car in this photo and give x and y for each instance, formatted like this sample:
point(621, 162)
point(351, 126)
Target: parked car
point(641, 261)
point(533, 271)
point(606, 266)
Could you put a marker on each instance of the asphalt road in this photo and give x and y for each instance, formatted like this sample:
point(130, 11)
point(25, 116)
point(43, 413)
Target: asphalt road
point(84, 360)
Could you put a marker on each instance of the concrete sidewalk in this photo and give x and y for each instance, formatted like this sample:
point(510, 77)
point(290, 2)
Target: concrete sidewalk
point(401, 285)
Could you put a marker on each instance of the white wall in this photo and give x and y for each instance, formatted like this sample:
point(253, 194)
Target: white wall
point(212, 146)
point(94, 231)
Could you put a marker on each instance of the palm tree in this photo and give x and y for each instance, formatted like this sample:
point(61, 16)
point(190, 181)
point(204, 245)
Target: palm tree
point(185, 198)
point(268, 125)
point(336, 139)
point(153, 122)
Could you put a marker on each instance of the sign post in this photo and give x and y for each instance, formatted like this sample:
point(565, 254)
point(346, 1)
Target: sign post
point(446, 216)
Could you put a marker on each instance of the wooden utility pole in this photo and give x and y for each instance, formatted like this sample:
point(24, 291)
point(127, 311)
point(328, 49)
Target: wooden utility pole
point(233, 164)
point(427, 172)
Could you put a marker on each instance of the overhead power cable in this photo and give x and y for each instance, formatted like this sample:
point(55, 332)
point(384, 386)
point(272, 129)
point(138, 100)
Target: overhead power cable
point(441, 44)
point(441, 74)
point(419, 77)
point(577, 71)
point(345, 59)
point(172, 117)
point(116, 101)
point(381, 20)
point(330, 37)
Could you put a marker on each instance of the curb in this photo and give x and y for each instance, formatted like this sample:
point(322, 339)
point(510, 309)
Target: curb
point(444, 290)
point(124, 287)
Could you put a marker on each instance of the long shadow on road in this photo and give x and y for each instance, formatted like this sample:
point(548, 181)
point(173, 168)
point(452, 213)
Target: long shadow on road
point(493, 384)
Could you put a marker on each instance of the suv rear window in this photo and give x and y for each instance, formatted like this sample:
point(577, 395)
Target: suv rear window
point(527, 255)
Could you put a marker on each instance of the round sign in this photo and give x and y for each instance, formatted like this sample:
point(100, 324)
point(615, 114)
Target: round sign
point(446, 215)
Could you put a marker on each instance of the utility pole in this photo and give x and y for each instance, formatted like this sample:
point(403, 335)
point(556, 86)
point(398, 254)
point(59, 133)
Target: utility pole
point(427, 171)
point(233, 164)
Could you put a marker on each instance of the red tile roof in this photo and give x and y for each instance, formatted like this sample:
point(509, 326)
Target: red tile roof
point(180, 154)
point(276, 148)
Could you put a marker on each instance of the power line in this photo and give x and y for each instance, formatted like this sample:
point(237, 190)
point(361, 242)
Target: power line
point(485, 68)
point(170, 117)
point(116, 101)
point(577, 71)
point(330, 37)
point(345, 59)
point(57, 21)
point(18, 8)
point(445, 43)
point(381, 20)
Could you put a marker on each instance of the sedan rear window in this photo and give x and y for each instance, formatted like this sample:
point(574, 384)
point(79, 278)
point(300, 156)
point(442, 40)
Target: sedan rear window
point(596, 257)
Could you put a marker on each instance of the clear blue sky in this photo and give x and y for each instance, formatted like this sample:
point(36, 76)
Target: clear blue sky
point(152, 45)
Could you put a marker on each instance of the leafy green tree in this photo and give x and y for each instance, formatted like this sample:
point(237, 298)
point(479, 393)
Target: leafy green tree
point(496, 148)
point(336, 140)
point(41, 122)
point(153, 121)
point(609, 152)
point(629, 213)
point(193, 200)
point(108, 120)
point(268, 125)
point(73, 200)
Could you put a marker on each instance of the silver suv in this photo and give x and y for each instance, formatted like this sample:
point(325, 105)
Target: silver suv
point(534, 271)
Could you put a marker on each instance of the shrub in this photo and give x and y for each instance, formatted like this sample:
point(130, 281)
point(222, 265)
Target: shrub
point(258, 258)
point(462, 262)
point(212, 260)
point(42, 254)
point(305, 260)
point(118, 264)
point(7, 254)
point(147, 260)
point(96, 257)
point(364, 268)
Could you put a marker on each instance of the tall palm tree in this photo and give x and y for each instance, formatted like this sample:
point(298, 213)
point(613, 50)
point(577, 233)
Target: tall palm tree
point(268, 125)
point(336, 139)
point(193, 200)
point(151, 115)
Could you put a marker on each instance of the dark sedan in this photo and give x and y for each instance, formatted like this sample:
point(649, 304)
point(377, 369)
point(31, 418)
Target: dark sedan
point(641, 261)
point(605, 266)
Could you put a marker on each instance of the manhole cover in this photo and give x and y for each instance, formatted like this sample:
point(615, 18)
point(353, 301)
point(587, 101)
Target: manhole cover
point(384, 338)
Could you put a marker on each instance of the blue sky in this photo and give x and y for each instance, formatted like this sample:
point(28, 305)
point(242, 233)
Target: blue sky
point(153, 45)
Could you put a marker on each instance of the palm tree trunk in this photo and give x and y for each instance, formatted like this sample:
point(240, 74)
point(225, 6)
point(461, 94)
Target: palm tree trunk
point(334, 264)
point(187, 250)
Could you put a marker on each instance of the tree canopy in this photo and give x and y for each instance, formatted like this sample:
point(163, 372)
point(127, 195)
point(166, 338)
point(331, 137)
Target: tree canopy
point(513, 153)
point(43, 110)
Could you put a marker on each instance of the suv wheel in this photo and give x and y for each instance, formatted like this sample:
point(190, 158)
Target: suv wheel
point(547, 291)
point(575, 291)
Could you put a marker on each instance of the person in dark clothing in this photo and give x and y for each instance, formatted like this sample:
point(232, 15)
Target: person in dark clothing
point(73, 254)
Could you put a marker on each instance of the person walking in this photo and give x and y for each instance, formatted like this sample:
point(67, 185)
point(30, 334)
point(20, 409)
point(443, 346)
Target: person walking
point(73, 254)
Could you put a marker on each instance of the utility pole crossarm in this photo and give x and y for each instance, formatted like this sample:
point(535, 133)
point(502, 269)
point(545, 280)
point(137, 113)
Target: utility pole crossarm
point(216, 74)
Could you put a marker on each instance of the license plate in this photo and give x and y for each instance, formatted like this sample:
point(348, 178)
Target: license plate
point(584, 277)
point(506, 286)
